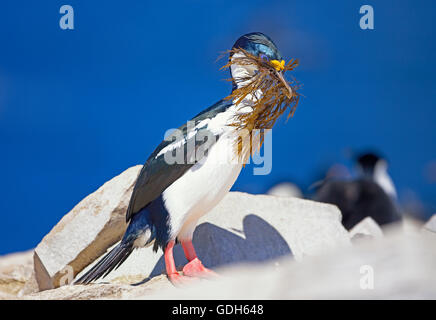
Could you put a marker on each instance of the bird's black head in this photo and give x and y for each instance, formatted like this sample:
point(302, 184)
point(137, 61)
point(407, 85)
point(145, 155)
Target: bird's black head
point(265, 53)
point(260, 45)
point(367, 162)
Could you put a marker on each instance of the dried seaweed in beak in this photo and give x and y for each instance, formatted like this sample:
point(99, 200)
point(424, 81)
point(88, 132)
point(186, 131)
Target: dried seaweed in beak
point(272, 95)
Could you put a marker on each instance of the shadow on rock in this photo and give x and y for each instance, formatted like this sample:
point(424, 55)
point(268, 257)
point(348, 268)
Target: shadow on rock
point(217, 247)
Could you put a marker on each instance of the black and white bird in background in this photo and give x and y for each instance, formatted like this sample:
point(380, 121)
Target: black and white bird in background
point(371, 194)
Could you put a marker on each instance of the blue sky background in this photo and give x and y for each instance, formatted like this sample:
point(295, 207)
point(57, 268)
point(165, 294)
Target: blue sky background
point(78, 107)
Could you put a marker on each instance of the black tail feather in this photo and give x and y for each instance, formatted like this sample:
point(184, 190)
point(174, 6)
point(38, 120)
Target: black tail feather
point(110, 261)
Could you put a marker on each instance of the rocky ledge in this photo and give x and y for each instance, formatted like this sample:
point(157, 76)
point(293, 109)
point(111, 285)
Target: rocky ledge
point(262, 246)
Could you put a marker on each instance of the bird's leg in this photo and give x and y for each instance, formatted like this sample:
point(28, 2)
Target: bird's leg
point(189, 250)
point(194, 268)
point(170, 266)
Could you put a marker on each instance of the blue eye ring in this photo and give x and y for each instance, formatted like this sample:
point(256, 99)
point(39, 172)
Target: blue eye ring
point(264, 57)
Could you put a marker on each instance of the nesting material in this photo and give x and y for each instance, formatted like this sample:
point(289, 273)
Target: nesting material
point(277, 96)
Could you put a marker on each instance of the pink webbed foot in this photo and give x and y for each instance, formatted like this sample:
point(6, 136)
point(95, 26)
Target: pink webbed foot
point(172, 274)
point(195, 268)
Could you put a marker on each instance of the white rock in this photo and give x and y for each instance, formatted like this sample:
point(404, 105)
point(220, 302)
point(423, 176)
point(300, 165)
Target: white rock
point(15, 271)
point(16, 259)
point(366, 228)
point(248, 228)
point(285, 189)
point(85, 232)
point(398, 266)
point(431, 224)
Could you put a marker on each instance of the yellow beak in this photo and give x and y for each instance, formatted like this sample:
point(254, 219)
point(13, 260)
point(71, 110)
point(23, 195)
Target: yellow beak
point(278, 65)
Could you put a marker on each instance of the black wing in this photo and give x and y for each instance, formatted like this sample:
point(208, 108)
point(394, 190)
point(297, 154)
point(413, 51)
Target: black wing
point(157, 175)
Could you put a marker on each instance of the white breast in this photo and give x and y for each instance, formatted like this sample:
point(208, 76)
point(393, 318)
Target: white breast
point(383, 179)
point(204, 184)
